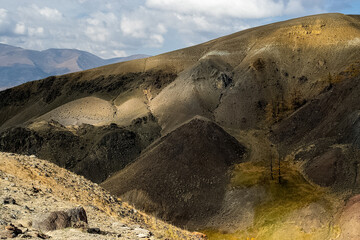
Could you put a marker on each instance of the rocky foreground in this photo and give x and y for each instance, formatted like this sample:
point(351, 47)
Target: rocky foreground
point(40, 200)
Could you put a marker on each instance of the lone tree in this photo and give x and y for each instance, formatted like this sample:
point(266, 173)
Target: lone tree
point(279, 177)
point(272, 161)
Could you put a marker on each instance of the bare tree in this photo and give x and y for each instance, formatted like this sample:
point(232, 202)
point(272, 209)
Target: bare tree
point(279, 178)
point(271, 163)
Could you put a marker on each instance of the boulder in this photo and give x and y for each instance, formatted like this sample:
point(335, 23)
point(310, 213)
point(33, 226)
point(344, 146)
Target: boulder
point(142, 233)
point(10, 231)
point(75, 217)
point(77, 214)
point(9, 200)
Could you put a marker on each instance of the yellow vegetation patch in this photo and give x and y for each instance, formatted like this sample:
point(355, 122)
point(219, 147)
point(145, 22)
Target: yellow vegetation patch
point(350, 72)
point(249, 174)
point(275, 218)
point(293, 193)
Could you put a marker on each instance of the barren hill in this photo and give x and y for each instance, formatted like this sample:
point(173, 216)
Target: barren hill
point(287, 94)
point(183, 176)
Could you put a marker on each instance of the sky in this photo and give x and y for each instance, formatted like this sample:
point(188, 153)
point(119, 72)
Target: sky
point(117, 28)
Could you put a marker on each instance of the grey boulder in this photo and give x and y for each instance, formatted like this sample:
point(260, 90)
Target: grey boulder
point(75, 217)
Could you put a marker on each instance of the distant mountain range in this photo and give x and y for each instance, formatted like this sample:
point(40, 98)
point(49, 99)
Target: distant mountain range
point(18, 65)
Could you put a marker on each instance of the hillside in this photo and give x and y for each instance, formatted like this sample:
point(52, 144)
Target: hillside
point(18, 65)
point(254, 134)
point(36, 187)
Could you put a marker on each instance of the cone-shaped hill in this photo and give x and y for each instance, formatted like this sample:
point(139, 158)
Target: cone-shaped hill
point(183, 176)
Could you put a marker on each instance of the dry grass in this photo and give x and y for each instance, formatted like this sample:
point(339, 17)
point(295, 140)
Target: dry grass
point(350, 72)
point(272, 216)
point(249, 174)
point(293, 193)
point(70, 187)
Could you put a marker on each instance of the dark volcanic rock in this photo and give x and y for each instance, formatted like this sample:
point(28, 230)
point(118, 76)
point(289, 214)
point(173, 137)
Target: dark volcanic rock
point(322, 170)
point(96, 152)
point(9, 200)
point(336, 167)
point(20, 140)
point(115, 150)
point(94, 230)
point(183, 176)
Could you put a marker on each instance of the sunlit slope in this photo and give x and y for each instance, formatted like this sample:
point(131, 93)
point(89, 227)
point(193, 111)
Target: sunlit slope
point(285, 60)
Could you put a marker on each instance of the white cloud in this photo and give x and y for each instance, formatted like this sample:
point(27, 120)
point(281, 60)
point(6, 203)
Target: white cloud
point(133, 27)
point(120, 53)
point(161, 28)
point(97, 34)
point(34, 12)
point(3, 14)
point(4, 21)
point(20, 29)
point(146, 26)
point(224, 8)
point(158, 39)
point(237, 9)
point(37, 31)
point(49, 13)
point(101, 27)
point(294, 7)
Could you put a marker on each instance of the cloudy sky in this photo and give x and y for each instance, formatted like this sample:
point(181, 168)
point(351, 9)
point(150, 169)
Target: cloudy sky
point(114, 28)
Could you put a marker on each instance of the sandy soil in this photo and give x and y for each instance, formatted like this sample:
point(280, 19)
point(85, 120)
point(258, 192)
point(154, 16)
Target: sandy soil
point(96, 111)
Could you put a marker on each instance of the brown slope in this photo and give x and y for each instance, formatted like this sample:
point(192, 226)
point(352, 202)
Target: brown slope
point(196, 91)
point(324, 134)
point(267, 63)
point(182, 177)
point(39, 187)
point(288, 62)
point(333, 114)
